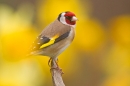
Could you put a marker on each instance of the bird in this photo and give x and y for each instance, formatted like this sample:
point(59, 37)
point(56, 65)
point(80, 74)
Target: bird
point(55, 37)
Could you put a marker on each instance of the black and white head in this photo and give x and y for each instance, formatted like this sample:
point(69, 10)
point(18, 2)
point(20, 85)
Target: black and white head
point(68, 18)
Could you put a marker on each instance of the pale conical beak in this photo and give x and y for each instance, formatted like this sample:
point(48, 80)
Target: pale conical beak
point(74, 18)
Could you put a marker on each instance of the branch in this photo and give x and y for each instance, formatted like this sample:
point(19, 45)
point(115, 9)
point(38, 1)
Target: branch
point(56, 74)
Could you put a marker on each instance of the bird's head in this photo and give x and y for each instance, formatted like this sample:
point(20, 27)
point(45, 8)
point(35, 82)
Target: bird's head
point(67, 18)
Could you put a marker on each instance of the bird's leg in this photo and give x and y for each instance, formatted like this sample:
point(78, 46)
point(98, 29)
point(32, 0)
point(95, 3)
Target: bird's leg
point(57, 65)
point(49, 62)
point(54, 65)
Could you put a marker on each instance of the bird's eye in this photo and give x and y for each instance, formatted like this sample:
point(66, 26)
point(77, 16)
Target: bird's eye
point(68, 17)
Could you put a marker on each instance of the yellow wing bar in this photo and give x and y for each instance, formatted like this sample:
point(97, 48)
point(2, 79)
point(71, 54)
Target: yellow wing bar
point(52, 40)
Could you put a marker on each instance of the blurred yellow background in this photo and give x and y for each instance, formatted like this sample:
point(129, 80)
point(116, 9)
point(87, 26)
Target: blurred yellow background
point(98, 56)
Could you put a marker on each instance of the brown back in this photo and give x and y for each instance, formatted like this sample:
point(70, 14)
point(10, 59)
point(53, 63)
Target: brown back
point(54, 28)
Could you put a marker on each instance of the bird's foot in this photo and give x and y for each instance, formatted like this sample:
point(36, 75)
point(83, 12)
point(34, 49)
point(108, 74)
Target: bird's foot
point(54, 65)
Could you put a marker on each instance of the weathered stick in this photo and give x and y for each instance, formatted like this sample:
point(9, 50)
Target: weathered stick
point(56, 74)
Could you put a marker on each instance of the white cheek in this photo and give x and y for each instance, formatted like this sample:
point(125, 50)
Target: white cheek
point(62, 19)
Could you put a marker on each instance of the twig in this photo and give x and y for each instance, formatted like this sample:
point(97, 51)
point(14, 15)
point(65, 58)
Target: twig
point(56, 74)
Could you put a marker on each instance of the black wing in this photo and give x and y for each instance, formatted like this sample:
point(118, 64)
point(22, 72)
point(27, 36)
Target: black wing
point(42, 40)
point(39, 42)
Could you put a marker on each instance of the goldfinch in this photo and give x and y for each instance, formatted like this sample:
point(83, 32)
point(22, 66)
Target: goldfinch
point(56, 37)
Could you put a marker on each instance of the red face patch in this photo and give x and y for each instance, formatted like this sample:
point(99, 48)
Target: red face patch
point(68, 18)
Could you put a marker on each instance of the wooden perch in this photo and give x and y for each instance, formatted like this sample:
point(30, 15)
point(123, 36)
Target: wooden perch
point(56, 74)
